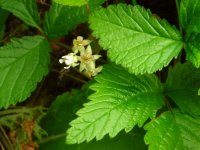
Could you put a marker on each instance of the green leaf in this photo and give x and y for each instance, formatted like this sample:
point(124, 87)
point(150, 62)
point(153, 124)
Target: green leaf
point(175, 131)
point(62, 111)
point(72, 2)
point(23, 63)
point(26, 10)
point(121, 101)
point(182, 86)
point(190, 15)
point(192, 48)
point(135, 38)
point(3, 15)
point(60, 19)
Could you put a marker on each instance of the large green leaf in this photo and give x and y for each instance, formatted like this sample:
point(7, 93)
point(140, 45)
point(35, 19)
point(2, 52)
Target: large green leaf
point(62, 111)
point(190, 15)
point(3, 16)
point(24, 9)
point(23, 63)
point(59, 20)
point(182, 86)
point(135, 38)
point(121, 101)
point(71, 2)
point(173, 131)
point(192, 48)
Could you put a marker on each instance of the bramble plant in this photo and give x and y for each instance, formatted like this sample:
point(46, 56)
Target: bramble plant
point(146, 76)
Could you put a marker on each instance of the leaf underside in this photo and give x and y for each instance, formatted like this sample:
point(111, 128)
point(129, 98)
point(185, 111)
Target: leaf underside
point(182, 87)
point(60, 19)
point(190, 15)
point(26, 10)
point(23, 63)
point(192, 48)
point(173, 131)
point(135, 38)
point(121, 101)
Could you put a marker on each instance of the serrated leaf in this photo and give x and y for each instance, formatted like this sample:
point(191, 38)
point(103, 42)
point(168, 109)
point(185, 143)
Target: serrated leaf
point(62, 111)
point(182, 86)
point(121, 101)
point(175, 131)
point(72, 2)
point(26, 10)
point(135, 38)
point(60, 19)
point(190, 15)
point(23, 63)
point(192, 48)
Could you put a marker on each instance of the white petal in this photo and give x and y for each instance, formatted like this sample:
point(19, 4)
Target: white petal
point(88, 50)
point(61, 61)
point(67, 67)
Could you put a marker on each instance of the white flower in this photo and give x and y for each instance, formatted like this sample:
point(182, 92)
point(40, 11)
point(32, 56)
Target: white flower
point(70, 60)
point(79, 43)
point(93, 72)
point(88, 62)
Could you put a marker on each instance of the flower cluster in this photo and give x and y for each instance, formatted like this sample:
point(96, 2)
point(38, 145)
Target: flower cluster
point(82, 56)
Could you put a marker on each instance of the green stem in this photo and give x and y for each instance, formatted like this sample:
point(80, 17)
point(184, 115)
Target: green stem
point(134, 2)
point(63, 45)
point(53, 137)
point(178, 12)
point(17, 110)
point(179, 23)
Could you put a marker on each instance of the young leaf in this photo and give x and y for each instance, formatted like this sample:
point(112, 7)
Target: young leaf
point(182, 86)
point(173, 131)
point(192, 48)
point(136, 39)
point(60, 19)
point(26, 10)
point(62, 111)
point(71, 2)
point(190, 15)
point(23, 63)
point(121, 101)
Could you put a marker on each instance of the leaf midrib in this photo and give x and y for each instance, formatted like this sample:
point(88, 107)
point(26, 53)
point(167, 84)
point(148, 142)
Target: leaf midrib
point(124, 27)
point(31, 50)
point(108, 112)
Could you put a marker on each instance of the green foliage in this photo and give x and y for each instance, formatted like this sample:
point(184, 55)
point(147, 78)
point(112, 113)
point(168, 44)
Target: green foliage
point(3, 15)
point(121, 101)
point(173, 130)
point(135, 38)
point(182, 86)
point(190, 15)
point(62, 111)
point(55, 26)
point(23, 63)
point(126, 96)
point(192, 48)
point(71, 2)
point(26, 10)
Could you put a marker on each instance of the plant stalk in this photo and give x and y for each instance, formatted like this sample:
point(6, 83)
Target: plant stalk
point(134, 2)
